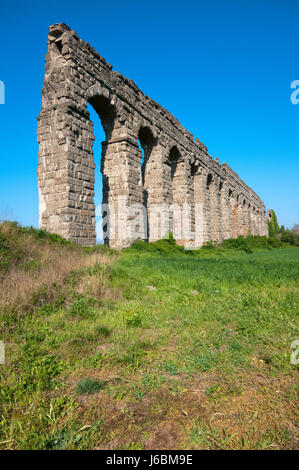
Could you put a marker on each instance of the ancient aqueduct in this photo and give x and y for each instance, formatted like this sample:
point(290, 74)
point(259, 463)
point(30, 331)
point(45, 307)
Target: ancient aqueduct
point(178, 182)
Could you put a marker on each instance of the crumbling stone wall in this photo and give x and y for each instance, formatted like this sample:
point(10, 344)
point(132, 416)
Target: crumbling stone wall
point(177, 185)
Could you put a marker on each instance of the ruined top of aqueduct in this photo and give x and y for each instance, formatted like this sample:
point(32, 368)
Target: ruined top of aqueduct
point(179, 184)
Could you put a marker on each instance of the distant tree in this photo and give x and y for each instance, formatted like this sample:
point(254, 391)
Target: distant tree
point(273, 224)
point(289, 236)
point(295, 232)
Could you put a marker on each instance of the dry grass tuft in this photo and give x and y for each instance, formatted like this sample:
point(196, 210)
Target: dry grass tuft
point(94, 285)
point(41, 266)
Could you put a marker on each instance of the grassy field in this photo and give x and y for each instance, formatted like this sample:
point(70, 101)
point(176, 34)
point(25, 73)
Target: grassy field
point(151, 348)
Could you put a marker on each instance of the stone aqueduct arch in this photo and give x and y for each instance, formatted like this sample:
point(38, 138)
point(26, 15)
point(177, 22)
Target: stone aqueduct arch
point(177, 170)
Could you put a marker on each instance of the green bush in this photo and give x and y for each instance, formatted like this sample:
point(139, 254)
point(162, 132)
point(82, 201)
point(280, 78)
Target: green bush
point(102, 331)
point(165, 246)
point(58, 441)
point(135, 354)
point(5, 252)
point(168, 247)
point(11, 250)
point(83, 308)
point(37, 371)
point(134, 320)
point(41, 234)
point(89, 386)
point(171, 368)
point(239, 243)
point(290, 237)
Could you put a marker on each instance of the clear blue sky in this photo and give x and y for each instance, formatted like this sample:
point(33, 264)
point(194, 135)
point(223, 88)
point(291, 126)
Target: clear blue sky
point(223, 68)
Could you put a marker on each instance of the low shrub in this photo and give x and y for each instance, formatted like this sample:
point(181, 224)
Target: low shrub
point(89, 386)
point(83, 308)
point(134, 320)
point(102, 331)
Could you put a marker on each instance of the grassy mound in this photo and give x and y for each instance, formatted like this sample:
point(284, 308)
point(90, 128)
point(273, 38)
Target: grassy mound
point(36, 266)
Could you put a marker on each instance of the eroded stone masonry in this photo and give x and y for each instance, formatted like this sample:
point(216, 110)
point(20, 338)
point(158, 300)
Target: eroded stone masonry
point(172, 185)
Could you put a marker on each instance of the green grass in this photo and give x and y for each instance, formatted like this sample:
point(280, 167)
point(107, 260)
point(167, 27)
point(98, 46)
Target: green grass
point(89, 386)
point(240, 306)
point(191, 344)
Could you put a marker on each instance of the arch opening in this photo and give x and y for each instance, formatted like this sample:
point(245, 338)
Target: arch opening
point(146, 143)
point(106, 112)
point(209, 180)
point(173, 159)
point(102, 116)
point(193, 172)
